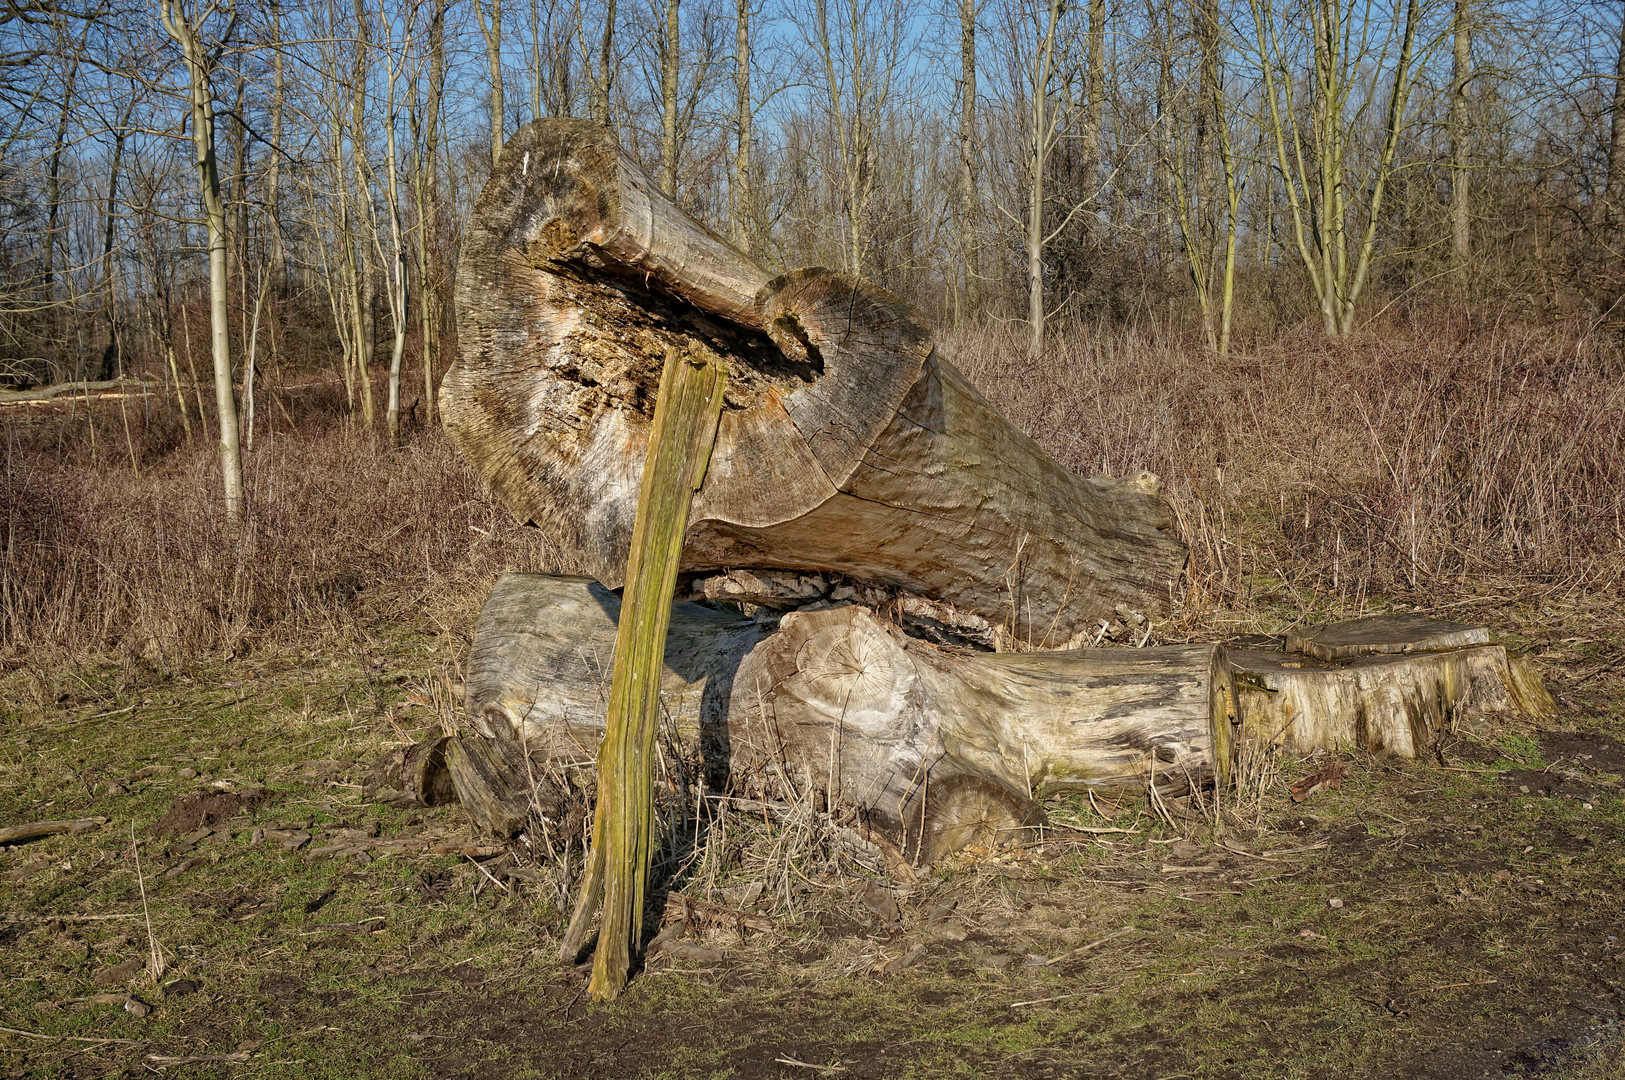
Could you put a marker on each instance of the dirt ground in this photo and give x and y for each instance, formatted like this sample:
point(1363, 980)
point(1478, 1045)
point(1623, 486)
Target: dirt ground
point(245, 910)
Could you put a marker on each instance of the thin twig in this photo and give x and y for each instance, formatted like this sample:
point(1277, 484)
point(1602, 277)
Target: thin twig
point(1081, 949)
point(152, 941)
point(69, 1038)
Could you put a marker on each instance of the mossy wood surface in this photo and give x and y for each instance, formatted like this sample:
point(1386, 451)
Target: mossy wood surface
point(679, 449)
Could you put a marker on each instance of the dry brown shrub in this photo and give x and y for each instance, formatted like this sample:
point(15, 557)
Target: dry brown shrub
point(105, 557)
point(1422, 464)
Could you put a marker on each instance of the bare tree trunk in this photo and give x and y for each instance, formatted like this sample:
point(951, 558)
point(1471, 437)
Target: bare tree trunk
point(364, 292)
point(605, 85)
point(1040, 138)
point(669, 55)
point(744, 124)
point(399, 314)
point(111, 360)
point(426, 192)
point(491, 30)
point(273, 179)
point(199, 62)
point(969, 196)
point(1616, 132)
point(1460, 228)
point(1094, 112)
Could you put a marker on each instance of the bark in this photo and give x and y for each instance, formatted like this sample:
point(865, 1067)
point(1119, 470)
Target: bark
point(933, 747)
point(363, 290)
point(426, 191)
point(744, 125)
point(273, 178)
point(669, 56)
point(604, 88)
point(1616, 130)
point(968, 193)
point(1460, 227)
point(847, 444)
point(491, 30)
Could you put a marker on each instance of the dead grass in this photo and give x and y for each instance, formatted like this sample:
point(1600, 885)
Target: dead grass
point(116, 547)
point(1431, 465)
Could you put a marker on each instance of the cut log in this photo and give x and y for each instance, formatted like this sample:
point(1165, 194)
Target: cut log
point(413, 775)
point(1382, 693)
point(1384, 634)
point(934, 747)
point(847, 444)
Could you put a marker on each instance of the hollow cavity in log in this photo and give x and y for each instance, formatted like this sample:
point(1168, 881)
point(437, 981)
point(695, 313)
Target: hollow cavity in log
point(848, 445)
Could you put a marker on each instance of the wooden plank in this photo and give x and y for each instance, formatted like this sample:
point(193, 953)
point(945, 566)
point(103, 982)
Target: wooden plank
point(687, 410)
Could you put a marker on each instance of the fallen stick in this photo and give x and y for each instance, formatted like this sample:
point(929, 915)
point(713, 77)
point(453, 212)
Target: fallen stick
point(1081, 949)
point(38, 830)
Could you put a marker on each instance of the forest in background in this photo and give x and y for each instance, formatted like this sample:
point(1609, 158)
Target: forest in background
point(1345, 275)
point(1224, 167)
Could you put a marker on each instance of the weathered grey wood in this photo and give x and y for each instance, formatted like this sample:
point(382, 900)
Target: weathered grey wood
point(1383, 634)
point(39, 830)
point(847, 444)
point(933, 746)
point(542, 654)
point(1380, 702)
point(493, 784)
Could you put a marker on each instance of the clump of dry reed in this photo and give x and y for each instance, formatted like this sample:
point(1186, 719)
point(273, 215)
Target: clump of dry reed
point(120, 547)
point(1425, 465)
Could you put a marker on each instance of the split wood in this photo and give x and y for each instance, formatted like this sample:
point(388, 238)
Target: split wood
point(687, 411)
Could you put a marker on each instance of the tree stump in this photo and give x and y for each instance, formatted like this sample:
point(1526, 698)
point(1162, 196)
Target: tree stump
point(1386, 684)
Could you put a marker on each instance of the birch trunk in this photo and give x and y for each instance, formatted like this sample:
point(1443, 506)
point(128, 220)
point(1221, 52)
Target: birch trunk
point(199, 63)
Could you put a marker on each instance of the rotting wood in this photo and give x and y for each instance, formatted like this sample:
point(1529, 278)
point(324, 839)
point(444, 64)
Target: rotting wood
point(847, 443)
point(1389, 697)
point(935, 747)
point(1383, 634)
point(491, 784)
point(679, 450)
point(415, 775)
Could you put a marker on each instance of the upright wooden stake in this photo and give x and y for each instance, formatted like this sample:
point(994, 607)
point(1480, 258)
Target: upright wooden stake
point(685, 427)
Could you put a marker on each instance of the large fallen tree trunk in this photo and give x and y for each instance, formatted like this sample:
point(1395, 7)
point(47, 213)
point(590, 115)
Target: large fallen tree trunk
point(934, 747)
point(847, 443)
